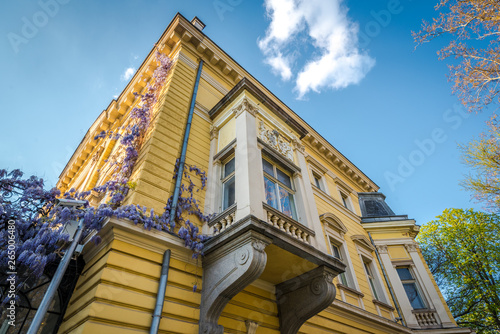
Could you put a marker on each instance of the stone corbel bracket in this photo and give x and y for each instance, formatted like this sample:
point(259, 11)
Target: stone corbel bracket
point(227, 270)
point(304, 296)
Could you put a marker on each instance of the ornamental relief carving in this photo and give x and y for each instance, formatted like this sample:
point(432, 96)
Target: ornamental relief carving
point(245, 105)
point(382, 249)
point(274, 139)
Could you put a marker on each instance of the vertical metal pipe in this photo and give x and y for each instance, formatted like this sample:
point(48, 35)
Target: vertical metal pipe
point(56, 280)
point(160, 297)
point(387, 281)
point(182, 160)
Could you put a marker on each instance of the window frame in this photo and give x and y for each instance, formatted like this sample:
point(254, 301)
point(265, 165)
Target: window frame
point(373, 280)
point(342, 278)
point(277, 184)
point(415, 283)
point(225, 179)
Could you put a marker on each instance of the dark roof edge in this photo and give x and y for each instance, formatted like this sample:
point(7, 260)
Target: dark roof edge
point(246, 84)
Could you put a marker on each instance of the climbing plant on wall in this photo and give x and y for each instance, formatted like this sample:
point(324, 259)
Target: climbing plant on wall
point(38, 234)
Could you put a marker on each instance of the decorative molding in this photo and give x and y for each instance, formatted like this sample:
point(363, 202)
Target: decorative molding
point(304, 296)
point(332, 221)
point(214, 83)
point(413, 247)
point(186, 60)
point(363, 241)
point(245, 105)
point(276, 141)
point(214, 132)
point(251, 326)
point(297, 145)
point(382, 249)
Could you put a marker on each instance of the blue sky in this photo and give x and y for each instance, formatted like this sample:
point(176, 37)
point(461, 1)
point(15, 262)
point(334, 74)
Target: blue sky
point(387, 106)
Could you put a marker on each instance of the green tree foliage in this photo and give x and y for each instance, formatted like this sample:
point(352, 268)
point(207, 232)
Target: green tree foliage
point(473, 27)
point(462, 249)
point(483, 157)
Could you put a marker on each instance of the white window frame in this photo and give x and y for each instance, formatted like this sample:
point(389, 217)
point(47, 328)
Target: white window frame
point(336, 231)
point(225, 179)
point(274, 178)
point(417, 284)
point(366, 250)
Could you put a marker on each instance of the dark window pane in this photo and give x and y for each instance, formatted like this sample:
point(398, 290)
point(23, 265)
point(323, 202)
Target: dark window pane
point(412, 293)
point(336, 252)
point(286, 202)
point(268, 167)
point(404, 274)
point(283, 178)
point(270, 188)
point(229, 193)
point(316, 181)
point(229, 168)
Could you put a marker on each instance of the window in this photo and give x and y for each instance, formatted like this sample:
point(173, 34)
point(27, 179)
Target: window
point(336, 252)
point(228, 185)
point(317, 181)
point(279, 188)
point(411, 287)
point(345, 200)
point(371, 279)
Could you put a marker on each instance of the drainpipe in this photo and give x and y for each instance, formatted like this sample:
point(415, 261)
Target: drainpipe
point(182, 160)
point(56, 280)
point(160, 297)
point(387, 281)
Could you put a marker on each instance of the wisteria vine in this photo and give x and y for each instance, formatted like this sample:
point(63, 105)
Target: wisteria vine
point(40, 223)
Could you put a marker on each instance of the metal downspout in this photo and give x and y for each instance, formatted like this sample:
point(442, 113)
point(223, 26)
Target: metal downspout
point(182, 160)
point(387, 281)
point(160, 297)
point(56, 280)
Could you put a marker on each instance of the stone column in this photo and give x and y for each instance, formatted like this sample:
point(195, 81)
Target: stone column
point(306, 197)
point(249, 177)
point(397, 286)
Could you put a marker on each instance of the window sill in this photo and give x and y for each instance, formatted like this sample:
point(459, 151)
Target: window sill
point(346, 288)
point(384, 305)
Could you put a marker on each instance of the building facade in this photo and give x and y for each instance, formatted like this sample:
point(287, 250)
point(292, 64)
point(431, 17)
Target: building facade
point(301, 242)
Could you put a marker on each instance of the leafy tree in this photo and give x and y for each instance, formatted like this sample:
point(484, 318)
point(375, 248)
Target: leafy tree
point(474, 29)
point(462, 249)
point(483, 157)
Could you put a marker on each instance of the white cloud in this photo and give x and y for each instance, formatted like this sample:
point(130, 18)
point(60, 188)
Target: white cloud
point(337, 60)
point(129, 72)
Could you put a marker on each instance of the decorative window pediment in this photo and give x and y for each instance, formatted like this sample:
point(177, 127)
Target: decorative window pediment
point(363, 241)
point(332, 222)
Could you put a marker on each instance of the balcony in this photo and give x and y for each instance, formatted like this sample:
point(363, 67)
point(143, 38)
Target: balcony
point(426, 318)
point(277, 250)
point(288, 225)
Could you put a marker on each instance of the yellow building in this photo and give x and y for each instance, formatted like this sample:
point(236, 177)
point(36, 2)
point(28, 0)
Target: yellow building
point(301, 239)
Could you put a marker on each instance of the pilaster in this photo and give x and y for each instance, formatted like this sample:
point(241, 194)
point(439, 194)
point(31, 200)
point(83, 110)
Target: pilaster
point(249, 176)
point(306, 192)
point(426, 281)
point(404, 303)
